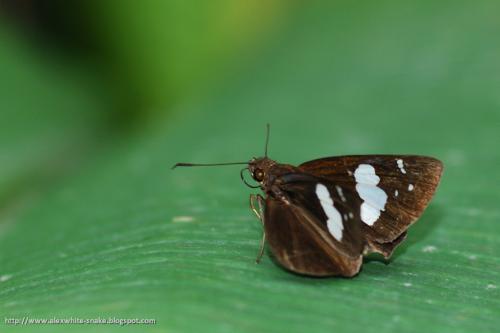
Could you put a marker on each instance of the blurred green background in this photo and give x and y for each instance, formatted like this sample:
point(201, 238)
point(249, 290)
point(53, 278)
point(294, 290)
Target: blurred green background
point(99, 98)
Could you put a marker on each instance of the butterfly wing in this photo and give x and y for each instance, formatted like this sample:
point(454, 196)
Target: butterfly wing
point(311, 230)
point(393, 191)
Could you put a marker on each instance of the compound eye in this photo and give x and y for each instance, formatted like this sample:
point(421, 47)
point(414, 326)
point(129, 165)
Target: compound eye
point(258, 175)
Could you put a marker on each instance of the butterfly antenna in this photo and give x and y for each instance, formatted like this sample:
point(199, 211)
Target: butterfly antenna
point(267, 138)
point(205, 164)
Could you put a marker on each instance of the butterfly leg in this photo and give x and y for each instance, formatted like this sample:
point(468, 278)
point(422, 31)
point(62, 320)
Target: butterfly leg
point(259, 214)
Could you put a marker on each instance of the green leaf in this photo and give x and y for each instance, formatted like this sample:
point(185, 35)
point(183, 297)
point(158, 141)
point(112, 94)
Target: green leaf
point(126, 237)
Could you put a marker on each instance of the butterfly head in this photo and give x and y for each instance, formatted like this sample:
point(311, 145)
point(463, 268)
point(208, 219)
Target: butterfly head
point(259, 168)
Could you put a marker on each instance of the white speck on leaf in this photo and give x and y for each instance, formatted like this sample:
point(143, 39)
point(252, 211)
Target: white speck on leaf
point(182, 219)
point(5, 277)
point(491, 286)
point(472, 257)
point(429, 249)
point(407, 284)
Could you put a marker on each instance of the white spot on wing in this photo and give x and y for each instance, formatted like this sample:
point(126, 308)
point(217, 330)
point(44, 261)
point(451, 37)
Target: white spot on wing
point(374, 198)
point(365, 174)
point(369, 214)
point(396, 193)
point(341, 193)
point(401, 166)
point(372, 195)
point(411, 187)
point(334, 222)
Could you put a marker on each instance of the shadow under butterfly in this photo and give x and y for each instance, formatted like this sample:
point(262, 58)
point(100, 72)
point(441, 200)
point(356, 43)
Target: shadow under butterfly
point(320, 218)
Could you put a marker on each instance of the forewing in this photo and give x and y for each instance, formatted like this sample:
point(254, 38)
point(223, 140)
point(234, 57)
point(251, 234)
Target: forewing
point(301, 243)
point(393, 190)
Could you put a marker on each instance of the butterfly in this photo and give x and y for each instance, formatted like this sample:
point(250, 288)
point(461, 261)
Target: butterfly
point(322, 217)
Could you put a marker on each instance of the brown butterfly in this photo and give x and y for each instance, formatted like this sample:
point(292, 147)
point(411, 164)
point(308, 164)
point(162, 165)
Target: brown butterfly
point(320, 218)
